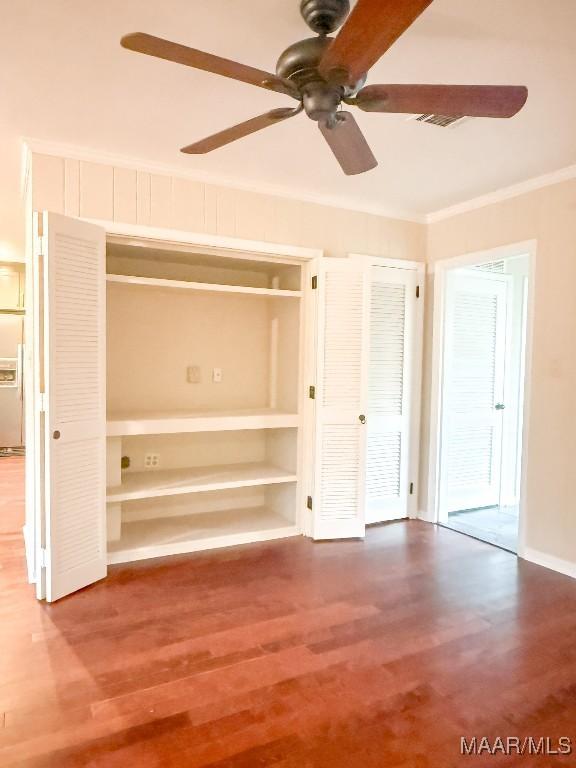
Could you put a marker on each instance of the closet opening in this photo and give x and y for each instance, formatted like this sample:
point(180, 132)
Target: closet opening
point(203, 371)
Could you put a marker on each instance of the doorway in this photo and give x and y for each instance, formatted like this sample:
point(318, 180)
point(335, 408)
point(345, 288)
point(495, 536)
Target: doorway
point(481, 395)
point(11, 397)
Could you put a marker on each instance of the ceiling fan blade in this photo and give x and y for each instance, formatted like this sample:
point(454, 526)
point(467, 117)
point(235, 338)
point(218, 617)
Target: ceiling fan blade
point(448, 100)
point(229, 135)
point(181, 54)
point(350, 147)
point(372, 27)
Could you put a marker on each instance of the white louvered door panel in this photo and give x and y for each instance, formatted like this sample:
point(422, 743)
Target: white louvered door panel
point(341, 398)
point(75, 384)
point(474, 369)
point(392, 328)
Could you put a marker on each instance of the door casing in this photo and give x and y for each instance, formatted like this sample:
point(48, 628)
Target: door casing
point(431, 509)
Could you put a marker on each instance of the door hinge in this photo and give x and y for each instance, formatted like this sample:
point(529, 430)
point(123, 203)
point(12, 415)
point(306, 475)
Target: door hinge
point(43, 557)
point(314, 282)
point(309, 502)
point(417, 291)
point(42, 402)
point(312, 393)
point(411, 488)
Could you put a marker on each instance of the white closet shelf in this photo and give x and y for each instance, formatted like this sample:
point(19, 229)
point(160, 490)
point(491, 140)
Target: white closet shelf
point(185, 285)
point(191, 533)
point(171, 422)
point(172, 482)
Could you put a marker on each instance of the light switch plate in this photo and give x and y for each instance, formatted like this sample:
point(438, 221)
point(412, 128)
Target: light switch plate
point(217, 375)
point(193, 374)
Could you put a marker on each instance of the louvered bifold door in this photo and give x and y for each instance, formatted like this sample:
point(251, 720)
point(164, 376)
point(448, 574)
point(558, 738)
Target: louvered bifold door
point(473, 390)
point(392, 327)
point(341, 391)
point(75, 420)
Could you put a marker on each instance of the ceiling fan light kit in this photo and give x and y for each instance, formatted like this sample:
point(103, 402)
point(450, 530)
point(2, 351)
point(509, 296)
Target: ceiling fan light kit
point(323, 72)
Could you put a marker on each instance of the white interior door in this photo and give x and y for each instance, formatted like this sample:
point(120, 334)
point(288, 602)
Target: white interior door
point(392, 337)
point(341, 399)
point(71, 261)
point(473, 390)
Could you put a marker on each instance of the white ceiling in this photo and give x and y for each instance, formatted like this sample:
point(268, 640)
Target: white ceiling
point(65, 78)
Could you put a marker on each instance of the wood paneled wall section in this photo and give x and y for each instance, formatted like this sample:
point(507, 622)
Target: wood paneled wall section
point(98, 191)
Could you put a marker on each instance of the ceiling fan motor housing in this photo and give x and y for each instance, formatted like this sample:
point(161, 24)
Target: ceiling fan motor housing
point(299, 63)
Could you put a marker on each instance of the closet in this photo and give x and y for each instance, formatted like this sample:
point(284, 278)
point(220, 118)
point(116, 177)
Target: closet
point(193, 392)
point(203, 371)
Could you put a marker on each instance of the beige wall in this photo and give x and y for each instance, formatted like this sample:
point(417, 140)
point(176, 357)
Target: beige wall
point(549, 216)
point(12, 204)
point(98, 191)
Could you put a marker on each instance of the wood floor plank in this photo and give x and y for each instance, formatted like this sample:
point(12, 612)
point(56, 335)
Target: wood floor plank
point(372, 654)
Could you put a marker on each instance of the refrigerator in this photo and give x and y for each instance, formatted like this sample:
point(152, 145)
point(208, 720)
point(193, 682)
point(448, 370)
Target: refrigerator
point(11, 380)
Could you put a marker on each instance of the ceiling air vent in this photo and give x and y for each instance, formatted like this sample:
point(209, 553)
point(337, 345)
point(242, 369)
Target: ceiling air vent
point(443, 121)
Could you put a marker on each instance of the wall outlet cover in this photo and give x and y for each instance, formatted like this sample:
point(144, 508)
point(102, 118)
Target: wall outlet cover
point(193, 374)
point(152, 460)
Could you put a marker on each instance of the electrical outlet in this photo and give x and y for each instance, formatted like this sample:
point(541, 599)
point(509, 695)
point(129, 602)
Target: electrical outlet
point(217, 375)
point(152, 460)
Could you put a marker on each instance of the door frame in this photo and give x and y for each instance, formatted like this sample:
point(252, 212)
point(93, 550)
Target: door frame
point(33, 530)
point(439, 270)
point(420, 268)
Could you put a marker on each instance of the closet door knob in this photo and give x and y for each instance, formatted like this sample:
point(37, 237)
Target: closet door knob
point(499, 406)
point(56, 434)
point(362, 418)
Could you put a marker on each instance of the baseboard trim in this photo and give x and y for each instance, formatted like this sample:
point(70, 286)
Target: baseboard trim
point(549, 561)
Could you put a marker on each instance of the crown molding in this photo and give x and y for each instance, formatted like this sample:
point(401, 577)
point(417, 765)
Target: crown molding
point(505, 193)
point(74, 152)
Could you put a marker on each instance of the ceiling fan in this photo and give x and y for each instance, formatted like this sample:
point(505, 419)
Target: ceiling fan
point(322, 72)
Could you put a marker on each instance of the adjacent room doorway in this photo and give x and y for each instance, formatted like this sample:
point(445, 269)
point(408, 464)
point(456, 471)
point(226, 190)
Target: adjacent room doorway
point(484, 338)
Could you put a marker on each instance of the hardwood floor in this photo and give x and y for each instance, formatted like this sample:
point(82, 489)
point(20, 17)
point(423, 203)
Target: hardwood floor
point(290, 654)
point(11, 494)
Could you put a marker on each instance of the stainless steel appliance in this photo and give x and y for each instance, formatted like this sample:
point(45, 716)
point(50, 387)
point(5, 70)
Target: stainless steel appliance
point(11, 381)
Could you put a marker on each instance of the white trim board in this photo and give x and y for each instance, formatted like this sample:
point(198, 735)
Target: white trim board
point(73, 152)
point(235, 245)
point(549, 561)
point(504, 193)
point(472, 258)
